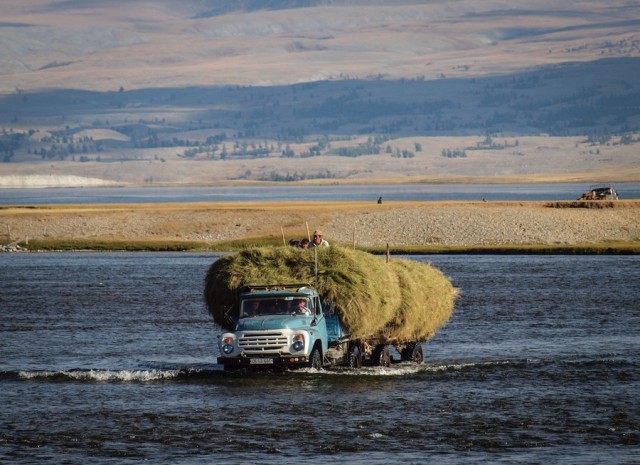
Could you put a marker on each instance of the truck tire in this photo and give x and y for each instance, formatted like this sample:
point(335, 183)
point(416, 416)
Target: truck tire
point(381, 356)
point(417, 356)
point(355, 356)
point(412, 352)
point(315, 361)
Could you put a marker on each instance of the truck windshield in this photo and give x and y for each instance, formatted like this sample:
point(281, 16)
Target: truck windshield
point(276, 306)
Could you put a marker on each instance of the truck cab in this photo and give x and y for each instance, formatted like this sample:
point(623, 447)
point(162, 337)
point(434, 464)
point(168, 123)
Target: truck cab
point(277, 326)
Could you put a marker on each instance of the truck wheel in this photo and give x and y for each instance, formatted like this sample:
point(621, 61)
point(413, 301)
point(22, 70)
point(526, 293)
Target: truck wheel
point(315, 361)
point(412, 352)
point(417, 355)
point(381, 356)
point(355, 356)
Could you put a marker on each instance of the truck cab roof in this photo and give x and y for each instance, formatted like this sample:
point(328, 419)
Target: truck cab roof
point(301, 290)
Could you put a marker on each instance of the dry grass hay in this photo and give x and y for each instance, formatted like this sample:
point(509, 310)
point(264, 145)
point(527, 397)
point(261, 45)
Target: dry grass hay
point(364, 290)
point(428, 299)
point(403, 300)
point(228, 275)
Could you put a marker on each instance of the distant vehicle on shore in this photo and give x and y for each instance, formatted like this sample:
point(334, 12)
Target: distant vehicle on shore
point(600, 192)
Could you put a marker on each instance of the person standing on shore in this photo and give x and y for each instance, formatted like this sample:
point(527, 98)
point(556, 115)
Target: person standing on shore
point(318, 241)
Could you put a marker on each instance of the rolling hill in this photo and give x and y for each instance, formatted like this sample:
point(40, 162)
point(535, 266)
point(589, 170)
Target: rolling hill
point(334, 91)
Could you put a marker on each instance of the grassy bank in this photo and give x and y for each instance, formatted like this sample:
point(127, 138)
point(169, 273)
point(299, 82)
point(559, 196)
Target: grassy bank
point(605, 248)
point(616, 248)
point(57, 245)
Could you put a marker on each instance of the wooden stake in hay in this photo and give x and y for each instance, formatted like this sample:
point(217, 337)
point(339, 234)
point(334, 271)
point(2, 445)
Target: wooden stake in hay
point(404, 300)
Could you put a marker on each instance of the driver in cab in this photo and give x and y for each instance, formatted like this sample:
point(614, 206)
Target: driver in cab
point(302, 307)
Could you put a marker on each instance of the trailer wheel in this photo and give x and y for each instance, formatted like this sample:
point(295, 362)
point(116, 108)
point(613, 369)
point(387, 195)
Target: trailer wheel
point(381, 356)
point(412, 352)
point(355, 356)
point(315, 360)
point(417, 355)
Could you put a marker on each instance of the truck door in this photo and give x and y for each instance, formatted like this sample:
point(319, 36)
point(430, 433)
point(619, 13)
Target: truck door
point(321, 324)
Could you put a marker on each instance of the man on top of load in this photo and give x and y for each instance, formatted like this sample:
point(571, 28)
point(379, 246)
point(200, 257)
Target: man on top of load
point(318, 241)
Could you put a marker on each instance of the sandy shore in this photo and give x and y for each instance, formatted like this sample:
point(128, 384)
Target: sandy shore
point(40, 181)
point(398, 223)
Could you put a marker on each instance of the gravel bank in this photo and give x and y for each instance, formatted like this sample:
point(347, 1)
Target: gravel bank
point(487, 225)
point(400, 224)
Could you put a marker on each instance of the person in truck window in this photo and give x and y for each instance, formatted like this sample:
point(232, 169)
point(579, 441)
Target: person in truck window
point(318, 241)
point(286, 306)
point(272, 307)
point(252, 309)
point(302, 307)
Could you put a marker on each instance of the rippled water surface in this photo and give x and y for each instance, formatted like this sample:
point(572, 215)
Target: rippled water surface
point(110, 358)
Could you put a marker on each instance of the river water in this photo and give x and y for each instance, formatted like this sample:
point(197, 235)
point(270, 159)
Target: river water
point(329, 193)
point(111, 358)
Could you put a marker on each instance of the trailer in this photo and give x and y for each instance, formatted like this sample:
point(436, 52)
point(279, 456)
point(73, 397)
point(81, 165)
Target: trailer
point(287, 326)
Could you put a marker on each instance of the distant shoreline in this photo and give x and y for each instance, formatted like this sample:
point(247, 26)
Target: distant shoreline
point(43, 181)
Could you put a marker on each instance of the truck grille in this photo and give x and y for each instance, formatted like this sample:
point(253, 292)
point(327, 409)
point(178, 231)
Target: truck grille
point(262, 341)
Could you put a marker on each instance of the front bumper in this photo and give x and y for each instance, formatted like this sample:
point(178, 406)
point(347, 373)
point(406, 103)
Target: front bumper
point(264, 362)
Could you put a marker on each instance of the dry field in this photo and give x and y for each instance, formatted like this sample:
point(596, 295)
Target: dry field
point(537, 159)
point(397, 223)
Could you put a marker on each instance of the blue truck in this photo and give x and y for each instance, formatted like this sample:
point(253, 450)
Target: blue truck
point(288, 326)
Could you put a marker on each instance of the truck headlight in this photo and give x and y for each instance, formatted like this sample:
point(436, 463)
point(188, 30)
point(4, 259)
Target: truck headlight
point(298, 342)
point(227, 345)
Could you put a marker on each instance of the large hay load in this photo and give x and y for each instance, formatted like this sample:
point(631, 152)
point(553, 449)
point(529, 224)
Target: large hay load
point(393, 302)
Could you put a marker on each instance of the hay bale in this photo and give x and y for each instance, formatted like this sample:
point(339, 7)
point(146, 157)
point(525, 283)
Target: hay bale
point(403, 300)
point(428, 299)
point(365, 291)
point(259, 266)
